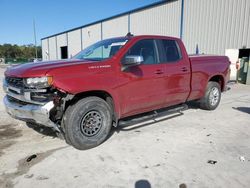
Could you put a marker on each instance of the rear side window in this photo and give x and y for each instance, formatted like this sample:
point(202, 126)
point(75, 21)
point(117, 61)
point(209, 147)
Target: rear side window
point(171, 51)
point(146, 49)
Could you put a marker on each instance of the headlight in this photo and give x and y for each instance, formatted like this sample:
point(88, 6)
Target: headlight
point(39, 82)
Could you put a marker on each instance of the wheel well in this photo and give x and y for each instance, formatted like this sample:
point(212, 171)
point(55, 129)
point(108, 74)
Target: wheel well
point(101, 94)
point(219, 79)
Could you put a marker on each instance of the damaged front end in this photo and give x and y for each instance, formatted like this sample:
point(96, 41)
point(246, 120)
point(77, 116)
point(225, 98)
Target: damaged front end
point(40, 105)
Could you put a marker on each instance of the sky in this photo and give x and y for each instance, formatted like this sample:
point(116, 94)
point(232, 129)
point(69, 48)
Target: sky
point(54, 16)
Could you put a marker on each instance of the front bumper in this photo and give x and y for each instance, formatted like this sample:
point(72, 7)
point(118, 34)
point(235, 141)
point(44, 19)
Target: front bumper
point(31, 112)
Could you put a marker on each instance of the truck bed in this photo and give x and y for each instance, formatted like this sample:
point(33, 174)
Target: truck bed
point(203, 68)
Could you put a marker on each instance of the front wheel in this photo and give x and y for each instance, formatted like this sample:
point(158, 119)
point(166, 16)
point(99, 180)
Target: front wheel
point(87, 123)
point(211, 99)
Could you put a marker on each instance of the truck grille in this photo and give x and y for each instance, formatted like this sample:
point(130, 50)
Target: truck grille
point(21, 94)
point(15, 82)
point(12, 99)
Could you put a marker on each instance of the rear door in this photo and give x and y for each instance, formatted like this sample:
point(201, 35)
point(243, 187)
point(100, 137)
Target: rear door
point(177, 71)
point(144, 89)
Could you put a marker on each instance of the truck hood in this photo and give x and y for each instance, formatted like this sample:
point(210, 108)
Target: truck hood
point(37, 69)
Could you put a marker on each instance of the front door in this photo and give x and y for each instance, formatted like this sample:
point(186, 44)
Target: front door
point(144, 88)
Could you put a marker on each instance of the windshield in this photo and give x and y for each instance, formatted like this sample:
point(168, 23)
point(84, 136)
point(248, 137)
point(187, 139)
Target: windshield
point(102, 50)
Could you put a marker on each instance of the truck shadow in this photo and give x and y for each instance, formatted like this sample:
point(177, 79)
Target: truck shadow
point(193, 105)
point(242, 109)
point(46, 131)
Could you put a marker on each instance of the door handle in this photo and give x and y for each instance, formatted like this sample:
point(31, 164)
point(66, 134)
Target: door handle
point(159, 72)
point(184, 69)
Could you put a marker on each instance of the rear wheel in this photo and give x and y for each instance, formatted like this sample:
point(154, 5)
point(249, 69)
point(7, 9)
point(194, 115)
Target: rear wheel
point(211, 99)
point(87, 123)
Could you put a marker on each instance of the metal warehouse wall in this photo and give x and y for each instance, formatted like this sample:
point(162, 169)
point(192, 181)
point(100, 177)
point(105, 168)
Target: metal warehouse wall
point(45, 49)
point(213, 25)
point(160, 20)
point(115, 27)
point(91, 34)
point(74, 42)
point(216, 25)
point(52, 48)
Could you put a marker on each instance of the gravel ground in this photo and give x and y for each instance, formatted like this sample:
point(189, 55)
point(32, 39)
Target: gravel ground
point(195, 148)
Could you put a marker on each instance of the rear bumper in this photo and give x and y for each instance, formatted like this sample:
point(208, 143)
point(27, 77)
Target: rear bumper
point(30, 112)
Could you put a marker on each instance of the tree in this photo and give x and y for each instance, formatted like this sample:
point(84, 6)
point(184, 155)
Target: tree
point(23, 52)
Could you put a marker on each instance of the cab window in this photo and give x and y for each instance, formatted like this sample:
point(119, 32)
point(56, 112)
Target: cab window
point(171, 51)
point(145, 48)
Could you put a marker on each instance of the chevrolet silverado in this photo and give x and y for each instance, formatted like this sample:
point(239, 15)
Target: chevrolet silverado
point(84, 96)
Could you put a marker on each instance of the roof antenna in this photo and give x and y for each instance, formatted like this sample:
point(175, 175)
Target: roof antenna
point(129, 35)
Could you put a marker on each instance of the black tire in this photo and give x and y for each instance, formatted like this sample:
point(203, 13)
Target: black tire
point(211, 99)
point(87, 123)
point(66, 137)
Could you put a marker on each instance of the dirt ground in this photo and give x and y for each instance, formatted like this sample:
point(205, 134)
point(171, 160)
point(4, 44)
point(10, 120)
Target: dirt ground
point(195, 148)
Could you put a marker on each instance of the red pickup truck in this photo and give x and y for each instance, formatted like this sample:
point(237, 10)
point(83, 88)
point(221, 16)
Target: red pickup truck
point(84, 96)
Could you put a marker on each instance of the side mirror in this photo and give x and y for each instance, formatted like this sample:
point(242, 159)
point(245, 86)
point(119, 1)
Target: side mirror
point(132, 60)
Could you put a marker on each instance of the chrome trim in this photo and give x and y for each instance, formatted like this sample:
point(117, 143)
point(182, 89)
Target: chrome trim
point(37, 113)
point(27, 96)
point(14, 89)
point(133, 60)
point(36, 90)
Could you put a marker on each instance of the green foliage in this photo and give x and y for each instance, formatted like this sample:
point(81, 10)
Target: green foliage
point(19, 52)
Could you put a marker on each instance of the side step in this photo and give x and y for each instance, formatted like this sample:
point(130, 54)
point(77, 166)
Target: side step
point(152, 115)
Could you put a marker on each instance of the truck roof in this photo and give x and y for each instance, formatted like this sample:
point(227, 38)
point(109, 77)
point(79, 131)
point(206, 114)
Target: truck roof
point(146, 36)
